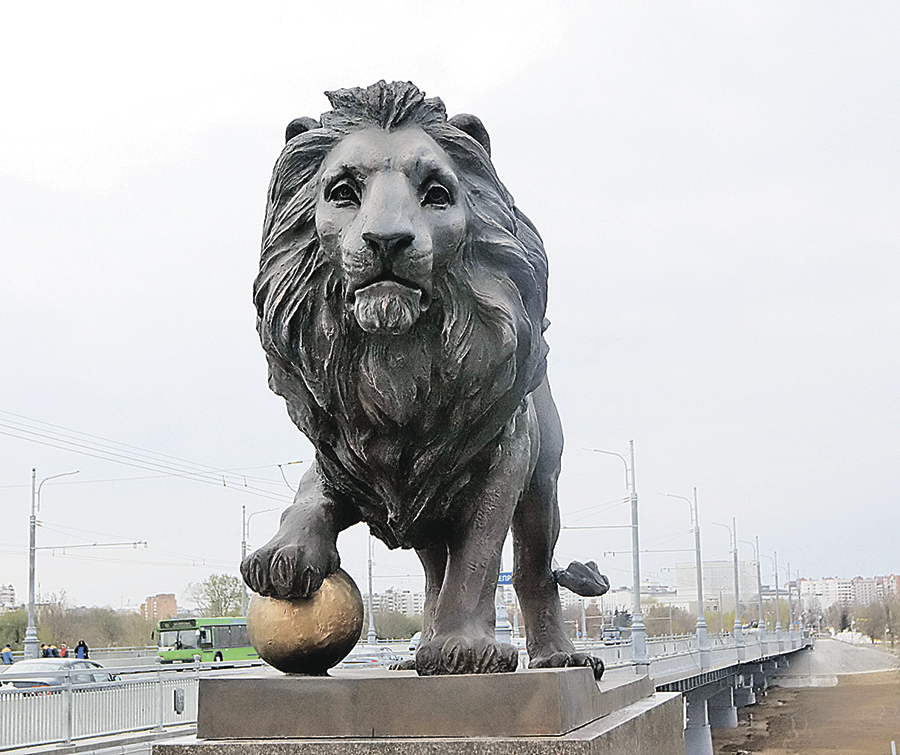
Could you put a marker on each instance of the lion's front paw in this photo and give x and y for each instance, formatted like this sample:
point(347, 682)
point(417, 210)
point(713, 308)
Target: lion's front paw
point(563, 660)
point(289, 570)
point(464, 655)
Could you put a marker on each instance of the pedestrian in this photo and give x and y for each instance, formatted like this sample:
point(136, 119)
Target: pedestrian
point(81, 649)
point(63, 650)
point(54, 651)
point(45, 651)
point(6, 654)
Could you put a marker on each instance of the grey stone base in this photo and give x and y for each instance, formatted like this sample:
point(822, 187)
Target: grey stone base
point(651, 726)
point(543, 712)
point(545, 702)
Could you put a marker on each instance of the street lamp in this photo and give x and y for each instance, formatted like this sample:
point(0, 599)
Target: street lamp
point(738, 631)
point(778, 636)
point(790, 604)
point(31, 639)
point(245, 531)
point(761, 624)
point(638, 630)
point(702, 634)
point(371, 635)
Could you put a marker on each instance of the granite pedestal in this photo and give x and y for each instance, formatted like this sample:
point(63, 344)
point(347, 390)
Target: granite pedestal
point(539, 712)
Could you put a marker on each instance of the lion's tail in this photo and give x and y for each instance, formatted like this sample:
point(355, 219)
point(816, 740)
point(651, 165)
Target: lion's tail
point(583, 579)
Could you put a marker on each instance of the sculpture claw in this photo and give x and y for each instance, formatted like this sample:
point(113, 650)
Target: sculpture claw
point(569, 660)
point(462, 655)
point(288, 571)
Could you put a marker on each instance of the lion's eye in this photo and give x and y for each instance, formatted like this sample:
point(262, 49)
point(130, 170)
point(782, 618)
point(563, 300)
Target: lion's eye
point(343, 193)
point(437, 196)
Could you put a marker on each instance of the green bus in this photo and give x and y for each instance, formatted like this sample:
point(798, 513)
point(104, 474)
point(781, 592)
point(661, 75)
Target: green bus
point(189, 639)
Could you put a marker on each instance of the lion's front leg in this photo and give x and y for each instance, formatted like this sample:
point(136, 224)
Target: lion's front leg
point(303, 552)
point(462, 626)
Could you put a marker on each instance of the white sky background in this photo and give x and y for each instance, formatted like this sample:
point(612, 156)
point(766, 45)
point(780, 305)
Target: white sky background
point(717, 187)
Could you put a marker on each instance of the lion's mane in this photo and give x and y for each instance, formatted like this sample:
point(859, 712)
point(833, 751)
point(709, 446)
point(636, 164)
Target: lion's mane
point(401, 424)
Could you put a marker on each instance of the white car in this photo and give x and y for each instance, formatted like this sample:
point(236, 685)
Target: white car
point(51, 672)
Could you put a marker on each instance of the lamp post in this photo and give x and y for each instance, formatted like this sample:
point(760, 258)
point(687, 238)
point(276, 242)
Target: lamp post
point(737, 629)
point(371, 637)
point(701, 628)
point(790, 604)
point(761, 624)
point(31, 639)
point(245, 531)
point(638, 630)
point(778, 636)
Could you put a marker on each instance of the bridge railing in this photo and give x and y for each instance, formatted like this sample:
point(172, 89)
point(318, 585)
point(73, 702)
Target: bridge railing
point(160, 698)
point(141, 699)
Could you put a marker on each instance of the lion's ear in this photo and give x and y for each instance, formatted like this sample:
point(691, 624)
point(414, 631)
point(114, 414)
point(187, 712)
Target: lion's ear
point(300, 126)
point(473, 126)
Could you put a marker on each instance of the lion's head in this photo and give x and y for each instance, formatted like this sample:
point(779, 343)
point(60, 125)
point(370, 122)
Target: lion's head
point(390, 219)
point(401, 293)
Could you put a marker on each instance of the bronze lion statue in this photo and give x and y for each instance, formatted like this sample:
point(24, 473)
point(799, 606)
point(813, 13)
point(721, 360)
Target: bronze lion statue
point(400, 303)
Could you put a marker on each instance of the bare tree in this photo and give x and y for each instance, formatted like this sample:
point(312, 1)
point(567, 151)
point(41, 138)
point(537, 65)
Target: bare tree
point(217, 595)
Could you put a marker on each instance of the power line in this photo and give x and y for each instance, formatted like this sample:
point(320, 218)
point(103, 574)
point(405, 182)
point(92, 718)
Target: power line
point(46, 434)
point(596, 508)
point(104, 442)
point(196, 476)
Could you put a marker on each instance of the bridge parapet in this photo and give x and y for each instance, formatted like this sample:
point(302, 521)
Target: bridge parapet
point(713, 695)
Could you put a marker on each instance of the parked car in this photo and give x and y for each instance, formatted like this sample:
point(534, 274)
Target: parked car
point(612, 636)
point(370, 656)
point(51, 672)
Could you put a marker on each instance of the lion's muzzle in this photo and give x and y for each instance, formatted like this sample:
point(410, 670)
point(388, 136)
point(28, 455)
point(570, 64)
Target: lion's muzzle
point(387, 307)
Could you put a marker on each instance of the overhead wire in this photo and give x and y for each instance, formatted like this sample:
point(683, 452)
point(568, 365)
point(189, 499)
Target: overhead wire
point(23, 422)
point(120, 453)
point(589, 511)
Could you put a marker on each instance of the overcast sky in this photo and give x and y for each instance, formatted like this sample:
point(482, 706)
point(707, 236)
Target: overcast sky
point(717, 186)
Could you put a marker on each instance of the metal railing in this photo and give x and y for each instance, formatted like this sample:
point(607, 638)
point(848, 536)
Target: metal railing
point(141, 698)
point(131, 655)
point(681, 654)
point(161, 698)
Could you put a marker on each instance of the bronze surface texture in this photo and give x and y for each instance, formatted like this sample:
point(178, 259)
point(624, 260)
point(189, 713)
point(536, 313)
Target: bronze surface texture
point(308, 635)
point(401, 303)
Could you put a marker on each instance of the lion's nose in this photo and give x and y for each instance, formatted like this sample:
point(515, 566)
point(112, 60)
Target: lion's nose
point(388, 245)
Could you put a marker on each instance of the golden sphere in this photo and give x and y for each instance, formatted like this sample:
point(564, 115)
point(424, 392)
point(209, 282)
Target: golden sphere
point(308, 635)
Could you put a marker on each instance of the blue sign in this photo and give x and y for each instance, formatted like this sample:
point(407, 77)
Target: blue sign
point(505, 578)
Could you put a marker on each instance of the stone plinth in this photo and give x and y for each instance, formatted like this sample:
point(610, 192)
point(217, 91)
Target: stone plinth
point(547, 702)
point(540, 712)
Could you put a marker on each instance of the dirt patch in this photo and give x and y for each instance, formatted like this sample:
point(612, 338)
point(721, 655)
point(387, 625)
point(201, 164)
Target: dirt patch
point(860, 716)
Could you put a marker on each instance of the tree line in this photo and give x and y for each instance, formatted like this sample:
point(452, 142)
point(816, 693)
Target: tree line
point(58, 623)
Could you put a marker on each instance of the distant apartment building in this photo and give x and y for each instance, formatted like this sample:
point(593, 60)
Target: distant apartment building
point(822, 593)
point(892, 585)
point(407, 602)
point(618, 598)
point(718, 584)
point(7, 597)
point(865, 590)
point(158, 607)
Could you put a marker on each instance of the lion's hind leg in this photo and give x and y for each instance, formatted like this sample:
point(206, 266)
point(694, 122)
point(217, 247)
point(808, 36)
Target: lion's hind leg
point(535, 531)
